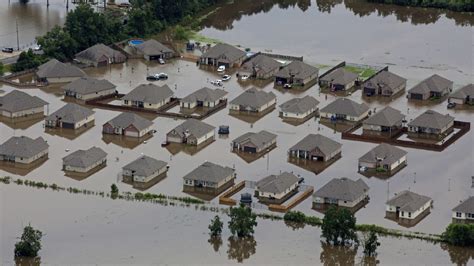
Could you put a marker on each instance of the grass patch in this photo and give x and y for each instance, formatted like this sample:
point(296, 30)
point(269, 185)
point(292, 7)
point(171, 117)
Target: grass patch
point(363, 72)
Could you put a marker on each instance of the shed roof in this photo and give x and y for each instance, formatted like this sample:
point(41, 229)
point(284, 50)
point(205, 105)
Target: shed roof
point(343, 189)
point(277, 183)
point(23, 146)
point(384, 153)
point(298, 70)
point(149, 93)
point(205, 94)
point(127, 119)
point(253, 98)
point(387, 117)
point(408, 201)
point(317, 141)
point(431, 119)
point(87, 85)
point(346, 106)
point(71, 113)
point(55, 69)
point(209, 172)
point(16, 101)
point(153, 47)
point(434, 83)
point(259, 139)
point(194, 127)
point(223, 50)
point(340, 76)
point(85, 158)
point(145, 166)
point(299, 105)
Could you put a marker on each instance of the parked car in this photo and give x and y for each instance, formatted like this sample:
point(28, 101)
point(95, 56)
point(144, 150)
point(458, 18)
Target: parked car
point(244, 77)
point(217, 82)
point(7, 50)
point(37, 48)
point(158, 76)
point(287, 86)
point(225, 77)
point(451, 105)
point(161, 61)
point(223, 130)
point(164, 143)
point(221, 69)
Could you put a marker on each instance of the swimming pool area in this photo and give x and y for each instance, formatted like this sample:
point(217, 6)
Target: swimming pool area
point(135, 42)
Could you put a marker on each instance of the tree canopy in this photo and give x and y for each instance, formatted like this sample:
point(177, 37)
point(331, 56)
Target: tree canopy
point(242, 221)
point(28, 60)
point(216, 226)
point(339, 227)
point(459, 234)
point(29, 244)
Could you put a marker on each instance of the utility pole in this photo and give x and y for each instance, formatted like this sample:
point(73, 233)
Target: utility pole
point(17, 35)
point(67, 4)
point(47, 3)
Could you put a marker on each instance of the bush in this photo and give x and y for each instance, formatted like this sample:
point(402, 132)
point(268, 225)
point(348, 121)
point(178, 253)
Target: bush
point(339, 227)
point(29, 244)
point(28, 60)
point(294, 216)
point(459, 234)
point(216, 226)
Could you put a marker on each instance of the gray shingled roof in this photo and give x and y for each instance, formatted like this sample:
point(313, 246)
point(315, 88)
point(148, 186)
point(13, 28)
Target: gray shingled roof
point(205, 94)
point(87, 85)
point(55, 69)
point(85, 158)
point(94, 53)
point(153, 47)
point(312, 141)
point(297, 69)
point(71, 113)
point(431, 119)
point(261, 63)
point(383, 153)
point(209, 172)
point(343, 189)
point(149, 93)
point(467, 206)
point(220, 50)
point(345, 106)
point(258, 139)
point(387, 117)
point(385, 80)
point(195, 127)
point(253, 98)
point(23, 146)
point(408, 201)
point(145, 166)
point(127, 119)
point(434, 83)
point(340, 76)
point(277, 183)
point(299, 105)
point(463, 92)
point(16, 101)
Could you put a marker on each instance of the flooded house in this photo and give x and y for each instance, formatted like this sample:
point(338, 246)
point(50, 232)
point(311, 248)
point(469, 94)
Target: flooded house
point(204, 97)
point(223, 54)
point(339, 79)
point(276, 189)
point(100, 55)
point(210, 176)
point(83, 161)
point(299, 108)
point(408, 207)
point(71, 116)
point(260, 66)
point(464, 212)
point(154, 50)
point(432, 123)
point(253, 100)
point(345, 109)
point(297, 73)
point(342, 192)
point(148, 96)
point(384, 83)
point(254, 142)
point(54, 71)
point(128, 124)
point(23, 150)
point(87, 88)
point(383, 158)
point(433, 87)
point(144, 169)
point(464, 95)
point(316, 147)
point(17, 104)
point(192, 132)
point(387, 120)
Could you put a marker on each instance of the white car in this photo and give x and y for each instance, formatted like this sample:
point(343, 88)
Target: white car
point(221, 69)
point(37, 48)
point(217, 82)
point(244, 77)
point(161, 61)
point(225, 77)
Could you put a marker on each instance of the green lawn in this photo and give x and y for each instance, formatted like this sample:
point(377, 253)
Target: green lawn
point(364, 73)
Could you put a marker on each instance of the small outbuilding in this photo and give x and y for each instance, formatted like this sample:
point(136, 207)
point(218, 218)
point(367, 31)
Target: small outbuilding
point(277, 188)
point(209, 175)
point(384, 158)
point(54, 71)
point(88, 88)
point(339, 79)
point(345, 109)
point(192, 132)
point(408, 205)
point(23, 150)
point(71, 116)
point(464, 212)
point(128, 124)
point(299, 108)
point(254, 142)
point(144, 169)
point(253, 100)
point(20, 104)
point(384, 83)
point(464, 95)
point(260, 66)
point(148, 96)
point(154, 50)
point(342, 192)
point(387, 120)
point(433, 87)
point(296, 73)
point(431, 122)
point(100, 55)
point(223, 54)
point(204, 97)
point(83, 161)
point(316, 147)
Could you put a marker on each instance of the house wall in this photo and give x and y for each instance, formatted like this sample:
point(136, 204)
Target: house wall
point(457, 100)
point(424, 96)
point(210, 134)
point(191, 182)
point(94, 95)
point(277, 195)
point(72, 168)
point(341, 203)
point(463, 216)
point(62, 80)
point(26, 160)
point(348, 118)
point(415, 129)
point(409, 215)
point(148, 105)
point(298, 115)
point(84, 121)
point(23, 113)
point(399, 162)
point(144, 179)
point(191, 105)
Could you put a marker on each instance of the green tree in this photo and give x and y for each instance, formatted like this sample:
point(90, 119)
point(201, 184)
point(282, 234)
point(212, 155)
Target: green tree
point(28, 60)
point(114, 191)
point(216, 226)
point(2, 69)
point(370, 244)
point(29, 244)
point(58, 44)
point(459, 234)
point(242, 221)
point(180, 33)
point(339, 227)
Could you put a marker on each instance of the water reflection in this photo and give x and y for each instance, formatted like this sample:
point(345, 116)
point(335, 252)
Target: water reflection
point(241, 249)
point(28, 261)
point(459, 255)
point(215, 242)
point(337, 255)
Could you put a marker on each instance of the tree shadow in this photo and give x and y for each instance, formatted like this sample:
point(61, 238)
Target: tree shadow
point(459, 255)
point(215, 242)
point(241, 248)
point(337, 255)
point(21, 261)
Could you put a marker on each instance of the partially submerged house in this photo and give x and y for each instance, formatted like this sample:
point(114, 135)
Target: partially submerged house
point(192, 132)
point(54, 71)
point(296, 73)
point(383, 158)
point(71, 116)
point(408, 205)
point(204, 97)
point(342, 192)
point(316, 147)
point(386, 120)
point(253, 100)
point(209, 175)
point(299, 108)
point(464, 212)
point(277, 188)
point(154, 50)
point(144, 169)
point(100, 55)
point(20, 104)
point(87, 88)
point(128, 124)
point(260, 66)
point(148, 96)
point(254, 142)
point(339, 79)
point(223, 54)
point(345, 109)
point(431, 122)
point(83, 161)
point(433, 87)
point(464, 95)
point(384, 83)
point(23, 149)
